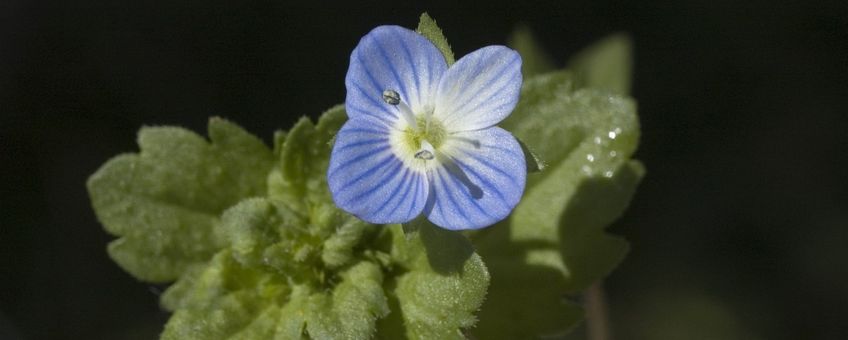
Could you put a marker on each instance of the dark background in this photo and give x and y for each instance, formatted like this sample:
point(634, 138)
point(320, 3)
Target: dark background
point(739, 230)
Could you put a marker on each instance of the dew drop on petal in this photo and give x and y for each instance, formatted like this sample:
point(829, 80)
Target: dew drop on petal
point(391, 97)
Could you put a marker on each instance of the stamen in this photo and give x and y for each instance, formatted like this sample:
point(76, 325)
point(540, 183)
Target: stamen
point(391, 97)
point(426, 152)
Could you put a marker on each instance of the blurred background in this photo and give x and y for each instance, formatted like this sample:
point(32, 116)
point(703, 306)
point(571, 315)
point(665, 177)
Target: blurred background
point(739, 230)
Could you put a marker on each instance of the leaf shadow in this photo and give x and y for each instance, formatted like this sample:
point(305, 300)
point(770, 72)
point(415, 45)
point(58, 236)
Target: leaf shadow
point(529, 292)
point(531, 295)
point(447, 251)
point(588, 251)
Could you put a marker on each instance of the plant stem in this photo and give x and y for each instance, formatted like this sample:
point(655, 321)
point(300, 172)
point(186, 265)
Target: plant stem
point(597, 324)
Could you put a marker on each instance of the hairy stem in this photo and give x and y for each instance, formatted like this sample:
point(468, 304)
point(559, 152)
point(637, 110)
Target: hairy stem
point(597, 323)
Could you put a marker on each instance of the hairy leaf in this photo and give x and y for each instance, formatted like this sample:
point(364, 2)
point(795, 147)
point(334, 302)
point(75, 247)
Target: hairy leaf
point(428, 28)
point(441, 285)
point(271, 283)
point(352, 309)
point(222, 299)
point(164, 202)
point(554, 244)
point(304, 153)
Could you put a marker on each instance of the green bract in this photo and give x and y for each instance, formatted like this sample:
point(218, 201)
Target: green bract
point(256, 249)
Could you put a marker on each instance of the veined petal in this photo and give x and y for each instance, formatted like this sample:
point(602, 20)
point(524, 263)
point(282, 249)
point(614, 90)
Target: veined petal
point(392, 58)
point(369, 181)
point(480, 181)
point(480, 90)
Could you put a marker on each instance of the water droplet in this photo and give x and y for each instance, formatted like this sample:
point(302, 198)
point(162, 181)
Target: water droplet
point(613, 153)
point(425, 155)
point(611, 134)
point(590, 157)
point(597, 140)
point(391, 97)
point(426, 152)
point(608, 174)
point(586, 169)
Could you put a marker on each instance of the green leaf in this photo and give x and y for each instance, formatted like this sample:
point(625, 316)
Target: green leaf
point(220, 300)
point(291, 321)
point(353, 308)
point(230, 301)
point(267, 234)
point(338, 249)
point(300, 181)
point(554, 245)
point(271, 282)
point(442, 285)
point(300, 178)
point(606, 64)
point(534, 60)
point(164, 202)
point(428, 28)
point(597, 131)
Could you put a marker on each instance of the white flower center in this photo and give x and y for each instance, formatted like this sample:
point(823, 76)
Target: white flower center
point(421, 136)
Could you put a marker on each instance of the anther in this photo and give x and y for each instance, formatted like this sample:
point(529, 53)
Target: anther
point(391, 97)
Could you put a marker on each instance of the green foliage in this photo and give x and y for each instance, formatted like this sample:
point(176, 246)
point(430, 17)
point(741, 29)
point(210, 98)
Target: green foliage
point(164, 202)
point(534, 60)
point(554, 245)
point(606, 65)
point(442, 283)
point(303, 152)
point(428, 28)
point(257, 249)
point(279, 260)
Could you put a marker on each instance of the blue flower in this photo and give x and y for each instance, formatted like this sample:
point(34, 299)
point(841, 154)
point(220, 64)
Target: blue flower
point(421, 137)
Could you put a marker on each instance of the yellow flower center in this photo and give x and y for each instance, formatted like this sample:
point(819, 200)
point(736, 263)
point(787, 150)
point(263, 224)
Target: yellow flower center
point(427, 131)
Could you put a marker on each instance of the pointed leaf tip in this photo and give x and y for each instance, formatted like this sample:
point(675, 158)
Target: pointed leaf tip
point(428, 28)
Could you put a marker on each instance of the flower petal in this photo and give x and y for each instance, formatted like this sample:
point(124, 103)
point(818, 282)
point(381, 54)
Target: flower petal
point(392, 58)
point(480, 90)
point(480, 182)
point(369, 181)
